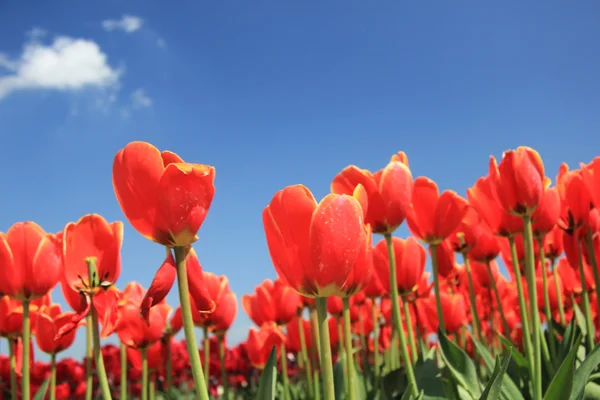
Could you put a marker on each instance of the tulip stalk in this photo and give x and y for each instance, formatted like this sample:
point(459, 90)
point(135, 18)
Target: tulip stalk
point(348, 347)
point(12, 343)
point(589, 244)
point(524, 314)
point(535, 329)
point(411, 332)
point(52, 389)
point(188, 323)
point(561, 307)
point(314, 324)
point(326, 359)
point(498, 299)
point(152, 389)
point(26, 349)
point(436, 285)
point(223, 366)
point(476, 322)
point(284, 372)
point(206, 353)
point(586, 300)
point(100, 370)
point(375, 318)
point(123, 355)
point(547, 308)
point(89, 354)
point(169, 367)
point(145, 388)
point(397, 317)
point(307, 364)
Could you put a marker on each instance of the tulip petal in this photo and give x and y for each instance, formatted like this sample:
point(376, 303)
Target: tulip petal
point(81, 313)
point(185, 193)
point(160, 286)
point(198, 291)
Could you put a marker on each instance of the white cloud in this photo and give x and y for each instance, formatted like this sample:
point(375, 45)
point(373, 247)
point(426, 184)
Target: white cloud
point(36, 33)
point(66, 64)
point(140, 99)
point(127, 23)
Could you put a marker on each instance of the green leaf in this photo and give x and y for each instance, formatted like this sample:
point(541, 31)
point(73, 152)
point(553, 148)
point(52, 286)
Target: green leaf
point(582, 374)
point(428, 377)
point(268, 380)
point(393, 384)
point(41, 393)
point(510, 390)
point(561, 386)
point(339, 378)
point(174, 394)
point(494, 387)
point(592, 391)
point(571, 333)
point(460, 365)
point(580, 318)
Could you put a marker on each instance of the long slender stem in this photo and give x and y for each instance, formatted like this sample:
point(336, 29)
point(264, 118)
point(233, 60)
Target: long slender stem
point(340, 329)
point(26, 349)
point(145, 388)
point(100, 370)
point(348, 350)
point(326, 360)
point(223, 366)
point(436, 284)
point(397, 316)
point(535, 318)
point(586, 300)
point(89, 355)
point(188, 323)
point(152, 388)
point(561, 307)
point(123, 356)
point(13, 367)
point(52, 389)
point(364, 350)
point(475, 316)
point(307, 363)
point(314, 323)
point(522, 307)
point(284, 372)
point(547, 308)
point(589, 244)
point(498, 299)
point(169, 368)
point(411, 332)
point(375, 318)
point(206, 354)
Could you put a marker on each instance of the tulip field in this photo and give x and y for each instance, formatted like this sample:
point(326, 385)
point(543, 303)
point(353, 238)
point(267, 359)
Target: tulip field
point(352, 315)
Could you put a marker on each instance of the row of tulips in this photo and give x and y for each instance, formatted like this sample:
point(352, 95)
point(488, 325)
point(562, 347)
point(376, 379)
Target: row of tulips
point(346, 317)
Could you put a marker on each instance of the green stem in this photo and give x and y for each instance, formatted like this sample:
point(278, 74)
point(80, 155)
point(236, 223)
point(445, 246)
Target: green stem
point(547, 308)
point(586, 300)
point(475, 316)
point(26, 349)
point(589, 244)
point(206, 354)
point(348, 350)
point(411, 333)
point(13, 368)
point(100, 370)
point(535, 318)
point(188, 323)
point(340, 329)
point(314, 323)
point(524, 314)
point(364, 349)
point(223, 366)
point(52, 389)
point(436, 284)
point(498, 299)
point(398, 315)
point(144, 352)
point(89, 352)
point(152, 388)
point(308, 367)
point(326, 360)
point(375, 343)
point(284, 372)
point(561, 307)
point(123, 354)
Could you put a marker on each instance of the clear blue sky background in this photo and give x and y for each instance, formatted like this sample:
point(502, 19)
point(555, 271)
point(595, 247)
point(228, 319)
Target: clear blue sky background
point(275, 93)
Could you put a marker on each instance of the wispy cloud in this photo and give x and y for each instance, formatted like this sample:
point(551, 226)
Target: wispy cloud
point(140, 99)
point(160, 43)
point(127, 23)
point(65, 64)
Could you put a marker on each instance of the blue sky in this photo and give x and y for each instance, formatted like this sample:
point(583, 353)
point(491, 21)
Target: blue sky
point(278, 93)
